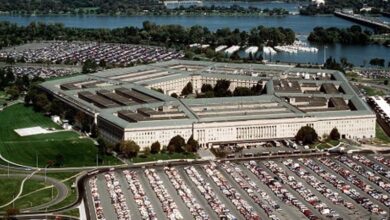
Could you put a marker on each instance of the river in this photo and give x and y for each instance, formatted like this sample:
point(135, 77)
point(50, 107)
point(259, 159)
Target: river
point(302, 25)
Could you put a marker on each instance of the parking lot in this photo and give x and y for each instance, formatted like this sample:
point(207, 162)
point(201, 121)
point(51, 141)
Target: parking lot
point(336, 187)
point(79, 52)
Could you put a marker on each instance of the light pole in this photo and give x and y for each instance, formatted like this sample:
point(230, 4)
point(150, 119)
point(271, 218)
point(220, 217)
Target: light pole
point(325, 53)
point(36, 159)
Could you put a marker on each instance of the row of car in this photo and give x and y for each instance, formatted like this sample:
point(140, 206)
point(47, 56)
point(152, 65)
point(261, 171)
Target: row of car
point(169, 205)
point(371, 176)
point(42, 72)
point(342, 186)
point(252, 189)
point(118, 198)
point(320, 186)
point(185, 193)
point(230, 192)
point(279, 190)
point(208, 193)
point(383, 160)
point(143, 201)
point(378, 168)
point(303, 191)
point(92, 182)
point(355, 180)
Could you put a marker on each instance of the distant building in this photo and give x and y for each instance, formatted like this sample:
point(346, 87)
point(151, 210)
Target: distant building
point(182, 3)
point(318, 2)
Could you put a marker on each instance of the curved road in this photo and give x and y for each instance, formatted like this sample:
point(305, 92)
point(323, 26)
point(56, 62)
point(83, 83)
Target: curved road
point(62, 189)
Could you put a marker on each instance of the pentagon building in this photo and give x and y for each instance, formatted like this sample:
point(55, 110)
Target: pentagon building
point(125, 105)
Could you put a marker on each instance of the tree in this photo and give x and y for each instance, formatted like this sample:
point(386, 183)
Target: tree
point(102, 147)
point(147, 151)
point(155, 148)
point(59, 160)
point(334, 134)
point(377, 62)
point(206, 88)
point(171, 149)
point(11, 212)
point(178, 142)
point(188, 89)
point(13, 92)
point(221, 88)
point(41, 103)
point(129, 148)
point(242, 91)
point(188, 148)
point(83, 121)
point(306, 135)
point(89, 66)
point(193, 143)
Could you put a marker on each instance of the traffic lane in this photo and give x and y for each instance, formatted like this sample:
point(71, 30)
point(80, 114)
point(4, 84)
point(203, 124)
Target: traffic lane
point(359, 210)
point(243, 194)
point(195, 191)
point(341, 210)
point(149, 192)
point(287, 211)
point(134, 211)
point(89, 203)
point(173, 193)
point(229, 205)
point(291, 190)
point(105, 198)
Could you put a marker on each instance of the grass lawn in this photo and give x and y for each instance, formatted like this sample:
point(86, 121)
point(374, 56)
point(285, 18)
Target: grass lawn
point(381, 135)
point(24, 150)
point(163, 156)
point(35, 199)
point(8, 188)
point(372, 91)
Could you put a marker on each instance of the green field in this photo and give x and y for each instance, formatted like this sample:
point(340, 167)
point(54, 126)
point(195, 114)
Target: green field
point(8, 188)
point(372, 91)
point(76, 151)
point(36, 198)
point(381, 135)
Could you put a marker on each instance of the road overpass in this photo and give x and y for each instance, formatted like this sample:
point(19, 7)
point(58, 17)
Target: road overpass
point(364, 21)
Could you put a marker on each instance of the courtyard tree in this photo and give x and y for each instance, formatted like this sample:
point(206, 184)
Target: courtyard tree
point(155, 148)
point(178, 142)
point(188, 89)
point(129, 148)
point(193, 143)
point(306, 135)
point(334, 134)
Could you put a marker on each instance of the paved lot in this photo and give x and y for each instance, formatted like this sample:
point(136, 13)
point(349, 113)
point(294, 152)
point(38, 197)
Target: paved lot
point(286, 210)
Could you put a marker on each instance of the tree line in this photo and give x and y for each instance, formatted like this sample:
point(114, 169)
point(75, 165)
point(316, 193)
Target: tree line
point(122, 7)
point(352, 35)
point(173, 36)
point(332, 5)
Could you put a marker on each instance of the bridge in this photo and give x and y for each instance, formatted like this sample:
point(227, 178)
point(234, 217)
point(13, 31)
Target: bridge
point(363, 20)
